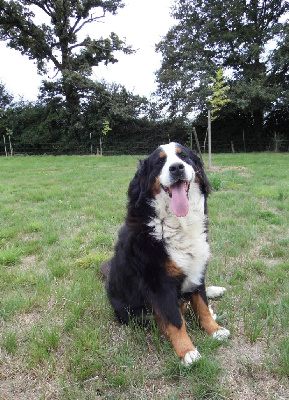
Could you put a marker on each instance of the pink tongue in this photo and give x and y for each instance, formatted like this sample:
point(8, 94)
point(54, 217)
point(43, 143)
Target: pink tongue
point(179, 202)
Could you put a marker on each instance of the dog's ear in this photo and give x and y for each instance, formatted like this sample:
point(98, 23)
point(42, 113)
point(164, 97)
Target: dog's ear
point(139, 183)
point(201, 175)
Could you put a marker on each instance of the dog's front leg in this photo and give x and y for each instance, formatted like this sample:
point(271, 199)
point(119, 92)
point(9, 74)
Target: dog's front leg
point(205, 318)
point(181, 342)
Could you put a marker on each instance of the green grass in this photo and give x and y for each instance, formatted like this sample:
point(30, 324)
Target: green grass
point(59, 218)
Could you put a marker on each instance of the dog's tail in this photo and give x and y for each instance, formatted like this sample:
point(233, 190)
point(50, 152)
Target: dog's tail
point(105, 268)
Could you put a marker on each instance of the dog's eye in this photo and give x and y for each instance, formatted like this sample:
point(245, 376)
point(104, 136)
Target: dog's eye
point(183, 156)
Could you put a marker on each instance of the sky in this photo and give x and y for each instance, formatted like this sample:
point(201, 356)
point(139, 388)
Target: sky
point(142, 23)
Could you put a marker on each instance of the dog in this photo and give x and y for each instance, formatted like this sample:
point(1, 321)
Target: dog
point(162, 251)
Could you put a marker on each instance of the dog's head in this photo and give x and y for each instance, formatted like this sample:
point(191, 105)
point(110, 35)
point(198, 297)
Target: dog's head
point(170, 170)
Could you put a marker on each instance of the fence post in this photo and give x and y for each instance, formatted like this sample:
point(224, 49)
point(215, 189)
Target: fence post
point(4, 140)
point(209, 138)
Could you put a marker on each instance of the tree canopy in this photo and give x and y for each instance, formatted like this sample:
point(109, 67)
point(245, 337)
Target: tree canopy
point(50, 32)
point(58, 40)
point(245, 38)
point(230, 56)
point(5, 98)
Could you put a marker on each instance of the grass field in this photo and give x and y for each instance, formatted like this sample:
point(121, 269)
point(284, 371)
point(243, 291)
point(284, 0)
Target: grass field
point(59, 339)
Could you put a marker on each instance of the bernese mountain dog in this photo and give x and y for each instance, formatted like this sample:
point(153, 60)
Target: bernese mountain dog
point(161, 255)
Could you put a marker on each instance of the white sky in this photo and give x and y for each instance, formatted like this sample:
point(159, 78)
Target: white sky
point(142, 22)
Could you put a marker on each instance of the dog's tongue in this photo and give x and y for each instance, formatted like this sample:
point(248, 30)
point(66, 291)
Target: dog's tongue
point(179, 202)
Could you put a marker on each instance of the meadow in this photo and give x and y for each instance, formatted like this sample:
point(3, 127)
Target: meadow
point(59, 339)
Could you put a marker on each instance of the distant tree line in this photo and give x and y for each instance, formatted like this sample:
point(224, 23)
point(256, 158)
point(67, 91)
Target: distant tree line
point(41, 127)
point(248, 41)
point(134, 122)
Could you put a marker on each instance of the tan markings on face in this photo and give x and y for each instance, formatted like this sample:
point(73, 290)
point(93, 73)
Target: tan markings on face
point(156, 188)
point(172, 269)
point(162, 154)
point(179, 150)
point(202, 312)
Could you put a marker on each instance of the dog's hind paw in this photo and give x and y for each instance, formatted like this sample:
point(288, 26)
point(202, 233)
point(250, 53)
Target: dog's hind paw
point(215, 291)
point(191, 357)
point(221, 334)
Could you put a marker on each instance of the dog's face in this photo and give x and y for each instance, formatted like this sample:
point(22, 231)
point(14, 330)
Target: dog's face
point(176, 177)
point(169, 171)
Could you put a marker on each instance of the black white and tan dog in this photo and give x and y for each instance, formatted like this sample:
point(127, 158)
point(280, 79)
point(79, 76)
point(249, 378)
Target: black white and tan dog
point(162, 250)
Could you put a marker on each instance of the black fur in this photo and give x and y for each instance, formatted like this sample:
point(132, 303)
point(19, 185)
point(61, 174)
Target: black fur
point(138, 281)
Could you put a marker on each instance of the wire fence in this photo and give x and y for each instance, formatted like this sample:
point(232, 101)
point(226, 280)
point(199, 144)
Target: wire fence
point(139, 148)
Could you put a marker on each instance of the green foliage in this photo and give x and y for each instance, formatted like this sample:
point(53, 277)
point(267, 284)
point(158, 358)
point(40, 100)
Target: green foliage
point(5, 102)
point(42, 127)
point(231, 35)
point(44, 42)
point(105, 128)
point(59, 42)
point(219, 97)
point(5, 99)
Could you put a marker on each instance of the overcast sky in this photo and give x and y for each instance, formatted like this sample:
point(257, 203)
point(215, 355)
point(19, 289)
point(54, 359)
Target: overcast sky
point(142, 22)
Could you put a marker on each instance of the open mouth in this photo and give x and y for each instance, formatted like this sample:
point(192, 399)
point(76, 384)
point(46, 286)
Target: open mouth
point(178, 192)
point(169, 189)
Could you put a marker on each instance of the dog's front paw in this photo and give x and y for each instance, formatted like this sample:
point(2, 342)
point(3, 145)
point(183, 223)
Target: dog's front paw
point(221, 334)
point(215, 291)
point(191, 357)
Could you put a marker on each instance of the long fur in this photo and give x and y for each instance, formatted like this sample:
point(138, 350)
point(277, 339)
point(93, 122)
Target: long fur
point(160, 258)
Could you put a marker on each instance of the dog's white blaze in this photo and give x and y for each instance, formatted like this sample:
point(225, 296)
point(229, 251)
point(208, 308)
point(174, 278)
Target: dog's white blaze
point(185, 238)
point(170, 150)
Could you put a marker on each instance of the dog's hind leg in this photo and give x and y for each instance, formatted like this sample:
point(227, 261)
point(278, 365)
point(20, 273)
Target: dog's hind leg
point(205, 318)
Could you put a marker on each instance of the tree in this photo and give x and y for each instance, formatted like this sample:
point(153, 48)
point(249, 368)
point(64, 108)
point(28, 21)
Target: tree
point(5, 98)
point(230, 34)
point(279, 73)
point(59, 42)
point(114, 104)
point(219, 96)
point(5, 101)
point(217, 101)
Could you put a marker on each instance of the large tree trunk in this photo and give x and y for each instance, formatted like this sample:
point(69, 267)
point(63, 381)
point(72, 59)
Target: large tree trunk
point(69, 88)
point(73, 109)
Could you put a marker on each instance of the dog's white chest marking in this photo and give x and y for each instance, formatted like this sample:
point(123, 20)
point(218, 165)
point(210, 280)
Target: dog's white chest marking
point(185, 238)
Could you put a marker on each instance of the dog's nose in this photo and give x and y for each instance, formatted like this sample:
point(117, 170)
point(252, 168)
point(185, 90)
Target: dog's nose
point(177, 169)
